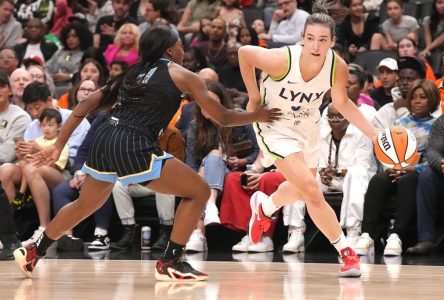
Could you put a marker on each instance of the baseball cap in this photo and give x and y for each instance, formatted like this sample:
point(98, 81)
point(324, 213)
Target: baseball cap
point(33, 60)
point(4, 78)
point(389, 63)
point(414, 63)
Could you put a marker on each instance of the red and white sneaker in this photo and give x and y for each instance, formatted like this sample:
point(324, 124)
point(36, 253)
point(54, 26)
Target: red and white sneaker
point(351, 266)
point(27, 258)
point(177, 270)
point(259, 222)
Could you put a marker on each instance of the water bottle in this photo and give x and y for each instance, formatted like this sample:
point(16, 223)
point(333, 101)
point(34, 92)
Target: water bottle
point(145, 238)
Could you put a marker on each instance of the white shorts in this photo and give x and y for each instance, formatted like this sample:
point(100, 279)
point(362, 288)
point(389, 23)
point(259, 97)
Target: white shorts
point(277, 142)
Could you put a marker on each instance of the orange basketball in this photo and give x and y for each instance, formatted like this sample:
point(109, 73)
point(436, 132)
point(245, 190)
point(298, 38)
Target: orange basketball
point(396, 147)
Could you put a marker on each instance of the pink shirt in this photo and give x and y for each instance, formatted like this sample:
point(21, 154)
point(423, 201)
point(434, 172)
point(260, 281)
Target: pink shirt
point(111, 55)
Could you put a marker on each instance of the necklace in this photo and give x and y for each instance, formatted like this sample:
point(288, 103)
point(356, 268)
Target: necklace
point(336, 154)
point(212, 56)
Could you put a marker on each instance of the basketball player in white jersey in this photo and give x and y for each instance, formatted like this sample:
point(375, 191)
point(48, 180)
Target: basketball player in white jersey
point(296, 79)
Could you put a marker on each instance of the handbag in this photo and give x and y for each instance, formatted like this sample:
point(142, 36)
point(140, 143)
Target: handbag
point(242, 148)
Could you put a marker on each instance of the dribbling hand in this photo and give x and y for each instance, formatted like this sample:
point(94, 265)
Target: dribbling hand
point(47, 156)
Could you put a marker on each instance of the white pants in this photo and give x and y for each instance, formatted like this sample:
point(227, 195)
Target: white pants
point(122, 195)
point(294, 214)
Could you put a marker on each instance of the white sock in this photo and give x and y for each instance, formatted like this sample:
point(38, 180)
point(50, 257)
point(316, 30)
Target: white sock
point(268, 206)
point(340, 243)
point(100, 231)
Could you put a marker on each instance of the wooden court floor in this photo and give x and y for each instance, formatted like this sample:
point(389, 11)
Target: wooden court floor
point(131, 279)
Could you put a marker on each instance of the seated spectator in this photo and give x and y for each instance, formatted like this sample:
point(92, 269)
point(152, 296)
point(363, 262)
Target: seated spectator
point(125, 46)
point(107, 26)
point(96, 10)
point(346, 164)
point(248, 36)
point(62, 12)
point(67, 191)
point(203, 34)
point(422, 100)
point(75, 38)
point(395, 27)
point(160, 9)
point(80, 92)
point(10, 28)
point(170, 141)
point(35, 45)
point(206, 146)
point(194, 60)
point(234, 18)
point(434, 36)
point(13, 122)
point(408, 47)
point(388, 74)
point(215, 50)
point(8, 60)
point(116, 68)
point(230, 75)
point(194, 12)
point(38, 73)
point(356, 31)
point(43, 179)
point(410, 69)
point(19, 80)
point(429, 192)
point(286, 26)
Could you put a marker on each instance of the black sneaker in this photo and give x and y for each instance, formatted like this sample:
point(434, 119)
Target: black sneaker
point(164, 237)
point(177, 270)
point(8, 249)
point(127, 240)
point(69, 243)
point(101, 242)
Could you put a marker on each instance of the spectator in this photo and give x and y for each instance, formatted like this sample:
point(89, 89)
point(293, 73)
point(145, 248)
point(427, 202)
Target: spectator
point(125, 46)
point(395, 27)
point(248, 36)
point(410, 69)
point(408, 47)
point(194, 60)
point(422, 99)
point(356, 31)
point(234, 18)
point(434, 36)
point(215, 50)
point(61, 16)
point(96, 10)
point(38, 73)
point(160, 9)
point(80, 92)
point(194, 12)
point(388, 74)
point(19, 79)
point(170, 141)
point(8, 232)
point(35, 44)
point(75, 38)
point(229, 74)
point(11, 30)
point(116, 68)
point(8, 60)
point(286, 26)
point(41, 180)
point(429, 192)
point(13, 121)
point(206, 146)
point(203, 34)
point(107, 26)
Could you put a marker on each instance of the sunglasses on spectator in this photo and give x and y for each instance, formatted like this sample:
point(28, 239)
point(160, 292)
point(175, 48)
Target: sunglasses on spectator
point(337, 117)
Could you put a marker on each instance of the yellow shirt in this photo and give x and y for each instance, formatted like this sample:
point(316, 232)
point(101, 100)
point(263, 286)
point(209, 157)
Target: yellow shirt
point(64, 156)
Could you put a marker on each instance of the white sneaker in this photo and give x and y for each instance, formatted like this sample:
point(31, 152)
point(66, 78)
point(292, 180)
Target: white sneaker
point(353, 234)
point(265, 245)
point(1, 245)
point(211, 214)
point(197, 242)
point(394, 246)
point(296, 240)
point(242, 246)
point(37, 233)
point(364, 245)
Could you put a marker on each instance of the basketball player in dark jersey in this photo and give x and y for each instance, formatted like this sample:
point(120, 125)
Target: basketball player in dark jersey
point(124, 148)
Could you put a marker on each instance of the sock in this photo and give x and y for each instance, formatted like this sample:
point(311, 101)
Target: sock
point(340, 243)
point(100, 231)
point(43, 243)
point(268, 206)
point(173, 251)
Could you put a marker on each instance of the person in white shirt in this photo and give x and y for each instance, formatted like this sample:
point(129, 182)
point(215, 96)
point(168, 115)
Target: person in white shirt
point(286, 25)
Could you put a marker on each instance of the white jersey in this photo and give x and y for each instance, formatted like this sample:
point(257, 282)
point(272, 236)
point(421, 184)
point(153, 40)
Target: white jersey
point(298, 100)
point(298, 129)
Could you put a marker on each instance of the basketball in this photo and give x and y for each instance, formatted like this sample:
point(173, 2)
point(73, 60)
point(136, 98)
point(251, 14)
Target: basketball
point(396, 147)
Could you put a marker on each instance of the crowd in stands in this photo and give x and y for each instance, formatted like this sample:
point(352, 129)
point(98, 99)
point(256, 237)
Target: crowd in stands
point(54, 53)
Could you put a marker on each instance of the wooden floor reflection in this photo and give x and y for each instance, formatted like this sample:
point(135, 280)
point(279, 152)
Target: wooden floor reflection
point(122, 279)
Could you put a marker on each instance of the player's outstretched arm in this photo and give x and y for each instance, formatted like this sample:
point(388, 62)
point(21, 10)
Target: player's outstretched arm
point(345, 106)
point(189, 82)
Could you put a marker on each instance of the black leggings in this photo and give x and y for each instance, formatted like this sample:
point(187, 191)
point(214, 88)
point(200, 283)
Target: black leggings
point(7, 226)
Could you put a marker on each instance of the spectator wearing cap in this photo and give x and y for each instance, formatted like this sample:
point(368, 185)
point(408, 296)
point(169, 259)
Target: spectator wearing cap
point(13, 121)
point(388, 74)
point(10, 29)
point(35, 47)
point(8, 60)
point(410, 69)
